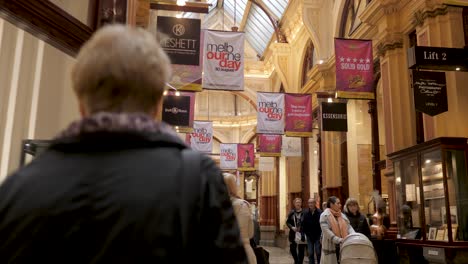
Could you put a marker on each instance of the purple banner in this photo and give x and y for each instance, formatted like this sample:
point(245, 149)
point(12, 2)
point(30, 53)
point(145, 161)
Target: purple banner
point(298, 115)
point(269, 145)
point(245, 157)
point(354, 68)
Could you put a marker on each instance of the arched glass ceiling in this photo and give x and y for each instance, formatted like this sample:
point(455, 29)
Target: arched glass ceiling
point(258, 29)
point(238, 5)
point(277, 7)
point(257, 26)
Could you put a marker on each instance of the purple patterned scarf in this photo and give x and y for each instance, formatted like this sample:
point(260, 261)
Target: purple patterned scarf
point(116, 122)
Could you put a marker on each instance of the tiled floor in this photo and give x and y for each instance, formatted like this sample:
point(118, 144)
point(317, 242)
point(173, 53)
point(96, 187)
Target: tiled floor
point(279, 255)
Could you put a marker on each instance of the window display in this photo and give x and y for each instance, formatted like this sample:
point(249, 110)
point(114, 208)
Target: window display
point(431, 190)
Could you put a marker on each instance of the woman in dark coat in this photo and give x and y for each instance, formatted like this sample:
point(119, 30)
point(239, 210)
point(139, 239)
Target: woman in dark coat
point(357, 220)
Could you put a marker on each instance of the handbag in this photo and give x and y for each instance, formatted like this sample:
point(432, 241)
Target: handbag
point(300, 238)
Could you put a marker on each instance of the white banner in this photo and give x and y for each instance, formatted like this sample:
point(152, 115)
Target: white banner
point(201, 138)
point(223, 60)
point(291, 147)
point(270, 114)
point(228, 156)
point(266, 164)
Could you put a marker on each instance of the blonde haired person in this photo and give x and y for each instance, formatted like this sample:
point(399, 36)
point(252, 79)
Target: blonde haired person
point(294, 222)
point(335, 227)
point(243, 215)
point(118, 186)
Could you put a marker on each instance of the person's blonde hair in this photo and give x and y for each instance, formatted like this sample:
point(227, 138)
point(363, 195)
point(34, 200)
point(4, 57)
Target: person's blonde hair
point(121, 69)
point(351, 201)
point(231, 183)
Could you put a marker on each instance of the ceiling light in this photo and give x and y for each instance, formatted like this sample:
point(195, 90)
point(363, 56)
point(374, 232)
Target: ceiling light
point(428, 161)
point(320, 62)
point(457, 68)
point(181, 2)
point(177, 93)
point(330, 100)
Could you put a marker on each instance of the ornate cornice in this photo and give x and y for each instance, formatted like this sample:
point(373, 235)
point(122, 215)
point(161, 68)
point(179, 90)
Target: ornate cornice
point(383, 47)
point(421, 15)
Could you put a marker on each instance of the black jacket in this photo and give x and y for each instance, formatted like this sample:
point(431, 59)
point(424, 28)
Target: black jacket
point(311, 224)
point(291, 223)
point(117, 198)
point(359, 224)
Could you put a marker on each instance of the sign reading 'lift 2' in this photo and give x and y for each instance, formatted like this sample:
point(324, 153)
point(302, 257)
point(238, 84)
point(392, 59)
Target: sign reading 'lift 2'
point(435, 58)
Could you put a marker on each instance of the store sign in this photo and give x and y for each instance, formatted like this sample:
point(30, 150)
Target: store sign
point(270, 114)
point(430, 92)
point(435, 58)
point(298, 115)
point(228, 156)
point(354, 69)
point(269, 145)
point(245, 157)
point(334, 117)
point(182, 41)
point(201, 138)
point(178, 110)
point(223, 60)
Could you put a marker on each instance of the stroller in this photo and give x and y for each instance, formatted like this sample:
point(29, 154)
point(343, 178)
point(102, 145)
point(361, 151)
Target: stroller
point(357, 249)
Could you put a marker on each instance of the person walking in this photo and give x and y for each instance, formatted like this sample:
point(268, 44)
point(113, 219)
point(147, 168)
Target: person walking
point(335, 227)
point(243, 214)
point(294, 222)
point(312, 230)
point(117, 186)
point(357, 220)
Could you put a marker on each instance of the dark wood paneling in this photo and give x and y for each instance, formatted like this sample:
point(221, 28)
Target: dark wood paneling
point(48, 22)
point(269, 210)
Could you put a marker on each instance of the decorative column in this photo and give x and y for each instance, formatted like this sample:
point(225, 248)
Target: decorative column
point(442, 26)
point(281, 60)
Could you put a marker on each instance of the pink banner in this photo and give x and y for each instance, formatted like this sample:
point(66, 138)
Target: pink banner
point(269, 145)
point(354, 68)
point(245, 157)
point(298, 115)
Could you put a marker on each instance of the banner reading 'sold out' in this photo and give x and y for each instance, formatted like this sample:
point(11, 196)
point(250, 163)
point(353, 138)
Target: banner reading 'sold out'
point(270, 114)
point(298, 115)
point(354, 68)
point(201, 138)
point(228, 156)
point(269, 145)
point(245, 157)
point(223, 60)
point(178, 110)
point(182, 43)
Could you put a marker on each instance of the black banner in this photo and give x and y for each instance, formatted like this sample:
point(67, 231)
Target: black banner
point(430, 92)
point(334, 117)
point(182, 40)
point(176, 110)
point(437, 58)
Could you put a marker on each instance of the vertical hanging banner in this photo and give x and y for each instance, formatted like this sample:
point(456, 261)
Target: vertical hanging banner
point(228, 156)
point(334, 117)
point(182, 44)
point(223, 60)
point(291, 147)
point(269, 145)
point(354, 68)
point(270, 114)
point(298, 115)
point(245, 157)
point(430, 92)
point(201, 138)
point(178, 110)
